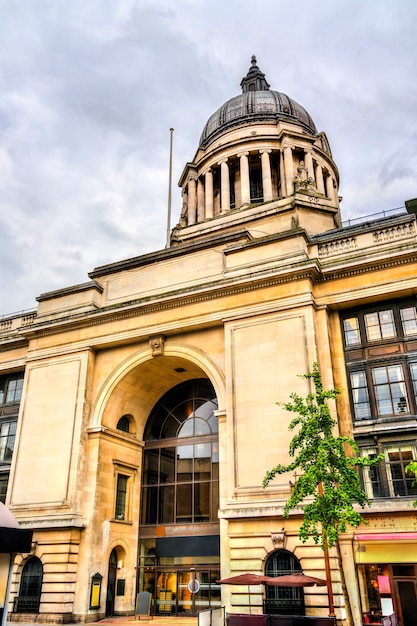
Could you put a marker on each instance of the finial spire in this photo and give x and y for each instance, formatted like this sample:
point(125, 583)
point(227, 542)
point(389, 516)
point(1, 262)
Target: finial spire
point(254, 79)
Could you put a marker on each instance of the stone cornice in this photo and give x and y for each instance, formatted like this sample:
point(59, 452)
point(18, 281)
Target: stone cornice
point(15, 343)
point(367, 266)
point(167, 254)
point(310, 269)
point(151, 305)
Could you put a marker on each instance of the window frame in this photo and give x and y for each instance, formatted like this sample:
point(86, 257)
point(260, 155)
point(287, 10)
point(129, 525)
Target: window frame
point(368, 370)
point(376, 400)
point(388, 485)
point(127, 472)
point(10, 440)
point(360, 315)
point(6, 382)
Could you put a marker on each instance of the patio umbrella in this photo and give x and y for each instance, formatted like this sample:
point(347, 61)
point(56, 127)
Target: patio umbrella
point(297, 579)
point(244, 579)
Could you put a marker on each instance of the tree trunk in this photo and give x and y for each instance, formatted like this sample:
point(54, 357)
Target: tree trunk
point(349, 616)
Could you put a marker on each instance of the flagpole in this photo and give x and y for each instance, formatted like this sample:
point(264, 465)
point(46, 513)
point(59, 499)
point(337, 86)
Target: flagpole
point(171, 132)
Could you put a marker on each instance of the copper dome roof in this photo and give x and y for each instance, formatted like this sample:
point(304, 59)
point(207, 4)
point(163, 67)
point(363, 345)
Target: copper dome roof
point(257, 103)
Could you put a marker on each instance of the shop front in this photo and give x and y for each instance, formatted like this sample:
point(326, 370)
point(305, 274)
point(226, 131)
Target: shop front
point(387, 573)
point(181, 574)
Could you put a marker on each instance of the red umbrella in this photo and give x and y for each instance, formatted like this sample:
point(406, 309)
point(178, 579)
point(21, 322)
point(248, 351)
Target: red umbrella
point(244, 579)
point(298, 579)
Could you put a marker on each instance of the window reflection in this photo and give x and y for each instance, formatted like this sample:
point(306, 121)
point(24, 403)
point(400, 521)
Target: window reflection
point(180, 476)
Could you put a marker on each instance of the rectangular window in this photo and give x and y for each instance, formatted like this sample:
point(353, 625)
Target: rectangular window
point(11, 389)
point(351, 332)
point(360, 396)
point(184, 501)
point(373, 480)
point(121, 495)
point(166, 504)
point(4, 479)
point(7, 439)
point(390, 479)
point(121, 585)
point(14, 390)
point(151, 467)
point(409, 320)
point(149, 508)
point(124, 476)
point(390, 390)
point(380, 325)
point(400, 481)
point(413, 370)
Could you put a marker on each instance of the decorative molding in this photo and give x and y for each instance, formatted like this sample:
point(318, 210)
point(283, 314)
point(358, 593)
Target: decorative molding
point(157, 345)
point(278, 539)
point(213, 291)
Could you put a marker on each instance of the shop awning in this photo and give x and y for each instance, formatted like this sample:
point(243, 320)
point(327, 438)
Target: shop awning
point(388, 547)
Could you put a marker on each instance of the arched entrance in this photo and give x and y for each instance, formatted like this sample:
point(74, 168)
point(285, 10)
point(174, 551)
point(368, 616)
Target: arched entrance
point(180, 544)
point(283, 600)
point(111, 583)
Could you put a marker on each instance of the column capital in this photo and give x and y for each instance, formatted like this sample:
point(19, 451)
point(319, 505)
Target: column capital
point(242, 154)
point(224, 160)
point(265, 150)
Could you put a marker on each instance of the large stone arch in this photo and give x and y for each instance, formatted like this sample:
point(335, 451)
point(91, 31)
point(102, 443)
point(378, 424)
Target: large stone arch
point(138, 382)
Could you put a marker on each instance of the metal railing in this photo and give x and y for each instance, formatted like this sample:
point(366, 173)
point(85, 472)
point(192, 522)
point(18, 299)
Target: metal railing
point(26, 604)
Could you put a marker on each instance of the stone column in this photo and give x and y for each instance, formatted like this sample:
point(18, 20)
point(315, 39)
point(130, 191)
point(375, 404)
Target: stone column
point(209, 194)
point(329, 187)
point(244, 178)
point(266, 174)
point(289, 171)
point(308, 161)
point(200, 200)
point(224, 186)
point(320, 179)
point(352, 587)
point(192, 201)
point(283, 190)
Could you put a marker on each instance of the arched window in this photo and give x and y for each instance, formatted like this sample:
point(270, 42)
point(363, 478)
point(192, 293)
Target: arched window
point(283, 600)
point(29, 596)
point(181, 460)
point(124, 424)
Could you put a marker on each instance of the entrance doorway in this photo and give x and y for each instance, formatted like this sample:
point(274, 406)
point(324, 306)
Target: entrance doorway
point(111, 584)
point(179, 550)
point(186, 591)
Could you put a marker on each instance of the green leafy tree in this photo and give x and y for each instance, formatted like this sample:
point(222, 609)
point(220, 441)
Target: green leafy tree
point(412, 468)
point(328, 483)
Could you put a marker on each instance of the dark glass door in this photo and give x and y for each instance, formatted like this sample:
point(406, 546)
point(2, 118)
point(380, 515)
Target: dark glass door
point(407, 593)
point(187, 591)
point(111, 584)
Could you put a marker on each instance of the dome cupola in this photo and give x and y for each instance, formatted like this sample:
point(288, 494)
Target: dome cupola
point(257, 102)
point(259, 153)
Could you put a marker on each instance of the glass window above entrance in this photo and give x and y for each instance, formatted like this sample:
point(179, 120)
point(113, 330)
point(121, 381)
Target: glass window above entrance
point(181, 460)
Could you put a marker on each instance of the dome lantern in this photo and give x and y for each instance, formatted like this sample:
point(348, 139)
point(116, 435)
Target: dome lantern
point(254, 79)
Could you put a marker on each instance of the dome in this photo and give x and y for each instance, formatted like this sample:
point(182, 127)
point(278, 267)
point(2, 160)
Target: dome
point(257, 103)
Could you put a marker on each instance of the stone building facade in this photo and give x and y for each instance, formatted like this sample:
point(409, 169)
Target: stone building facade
point(139, 409)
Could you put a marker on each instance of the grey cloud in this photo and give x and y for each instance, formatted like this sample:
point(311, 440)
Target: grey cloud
point(90, 90)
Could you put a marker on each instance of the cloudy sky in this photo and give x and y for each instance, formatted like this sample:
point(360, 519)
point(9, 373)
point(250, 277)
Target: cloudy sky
point(90, 88)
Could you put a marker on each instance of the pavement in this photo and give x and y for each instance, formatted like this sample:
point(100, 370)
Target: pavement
point(158, 620)
point(129, 620)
